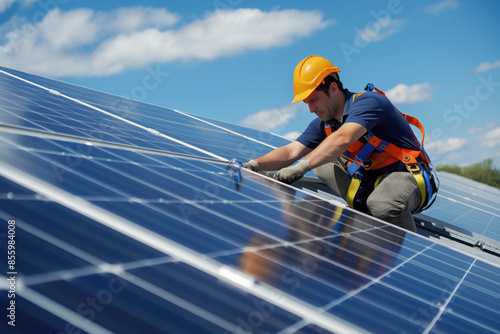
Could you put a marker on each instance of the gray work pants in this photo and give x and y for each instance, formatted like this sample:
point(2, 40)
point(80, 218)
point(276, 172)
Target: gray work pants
point(393, 200)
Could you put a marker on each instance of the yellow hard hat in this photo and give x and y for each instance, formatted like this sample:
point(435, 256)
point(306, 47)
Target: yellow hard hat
point(309, 74)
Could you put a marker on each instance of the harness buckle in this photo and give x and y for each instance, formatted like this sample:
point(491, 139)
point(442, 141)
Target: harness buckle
point(366, 165)
point(414, 169)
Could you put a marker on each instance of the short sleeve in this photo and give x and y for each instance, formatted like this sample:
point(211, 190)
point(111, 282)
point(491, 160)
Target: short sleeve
point(313, 135)
point(368, 110)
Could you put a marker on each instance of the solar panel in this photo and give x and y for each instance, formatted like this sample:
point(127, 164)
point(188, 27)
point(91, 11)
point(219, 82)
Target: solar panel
point(141, 228)
point(106, 121)
point(469, 205)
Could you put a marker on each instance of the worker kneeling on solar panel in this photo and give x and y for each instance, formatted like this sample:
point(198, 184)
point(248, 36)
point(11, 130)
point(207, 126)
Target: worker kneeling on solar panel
point(360, 145)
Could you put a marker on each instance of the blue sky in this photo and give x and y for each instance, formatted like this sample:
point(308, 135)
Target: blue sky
point(233, 60)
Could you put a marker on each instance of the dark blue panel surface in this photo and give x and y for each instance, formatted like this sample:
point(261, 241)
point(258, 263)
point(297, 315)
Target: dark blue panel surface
point(67, 229)
point(38, 257)
point(30, 318)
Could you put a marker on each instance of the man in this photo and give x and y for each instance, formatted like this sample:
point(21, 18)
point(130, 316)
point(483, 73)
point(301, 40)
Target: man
point(387, 178)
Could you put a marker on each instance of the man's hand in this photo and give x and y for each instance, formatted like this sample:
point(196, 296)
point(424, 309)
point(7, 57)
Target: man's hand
point(252, 165)
point(293, 173)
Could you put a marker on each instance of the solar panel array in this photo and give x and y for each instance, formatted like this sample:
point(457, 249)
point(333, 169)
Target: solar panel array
point(468, 205)
point(127, 220)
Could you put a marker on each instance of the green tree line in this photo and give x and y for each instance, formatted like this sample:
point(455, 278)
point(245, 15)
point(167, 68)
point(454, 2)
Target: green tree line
point(484, 172)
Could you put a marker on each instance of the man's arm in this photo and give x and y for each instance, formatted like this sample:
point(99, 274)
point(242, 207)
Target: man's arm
point(282, 156)
point(330, 149)
point(334, 145)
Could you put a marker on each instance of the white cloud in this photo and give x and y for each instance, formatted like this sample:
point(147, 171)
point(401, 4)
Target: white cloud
point(61, 31)
point(272, 118)
point(485, 66)
point(437, 148)
point(440, 6)
point(492, 138)
point(491, 125)
point(292, 135)
point(84, 42)
point(133, 18)
point(403, 94)
point(6, 4)
point(476, 129)
point(382, 28)
point(82, 27)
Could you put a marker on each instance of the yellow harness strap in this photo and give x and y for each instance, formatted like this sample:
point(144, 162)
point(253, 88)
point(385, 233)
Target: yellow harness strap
point(417, 174)
point(352, 190)
point(414, 169)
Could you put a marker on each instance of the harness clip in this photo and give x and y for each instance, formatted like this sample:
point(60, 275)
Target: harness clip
point(414, 168)
point(366, 165)
point(369, 87)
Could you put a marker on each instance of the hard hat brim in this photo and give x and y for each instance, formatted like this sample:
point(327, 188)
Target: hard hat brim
point(302, 96)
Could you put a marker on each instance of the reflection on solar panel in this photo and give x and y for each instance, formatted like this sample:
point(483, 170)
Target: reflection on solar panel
point(124, 222)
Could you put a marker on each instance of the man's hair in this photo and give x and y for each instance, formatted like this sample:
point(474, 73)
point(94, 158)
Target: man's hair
point(334, 77)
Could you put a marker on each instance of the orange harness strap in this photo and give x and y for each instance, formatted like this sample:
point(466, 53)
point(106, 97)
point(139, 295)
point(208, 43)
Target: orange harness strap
point(391, 153)
point(377, 153)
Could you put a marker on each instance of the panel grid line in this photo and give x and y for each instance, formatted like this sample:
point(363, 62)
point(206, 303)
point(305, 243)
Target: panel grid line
point(471, 206)
point(351, 294)
point(445, 304)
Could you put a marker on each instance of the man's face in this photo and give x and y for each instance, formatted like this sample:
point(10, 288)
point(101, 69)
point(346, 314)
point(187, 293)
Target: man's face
point(324, 106)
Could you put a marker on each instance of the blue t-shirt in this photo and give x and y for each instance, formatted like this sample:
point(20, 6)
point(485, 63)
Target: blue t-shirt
point(376, 113)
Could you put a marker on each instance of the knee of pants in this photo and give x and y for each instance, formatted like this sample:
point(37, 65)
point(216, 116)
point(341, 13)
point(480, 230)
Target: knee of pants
point(335, 177)
point(393, 213)
point(385, 208)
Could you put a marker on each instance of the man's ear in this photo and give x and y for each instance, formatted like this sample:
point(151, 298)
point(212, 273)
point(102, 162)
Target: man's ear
point(334, 87)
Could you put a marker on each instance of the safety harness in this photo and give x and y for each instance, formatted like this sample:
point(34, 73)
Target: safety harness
point(377, 153)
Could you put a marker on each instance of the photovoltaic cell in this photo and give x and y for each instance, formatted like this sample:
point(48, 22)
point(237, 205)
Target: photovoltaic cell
point(126, 239)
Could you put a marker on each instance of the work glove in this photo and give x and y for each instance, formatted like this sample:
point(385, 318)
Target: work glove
point(252, 165)
point(293, 173)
